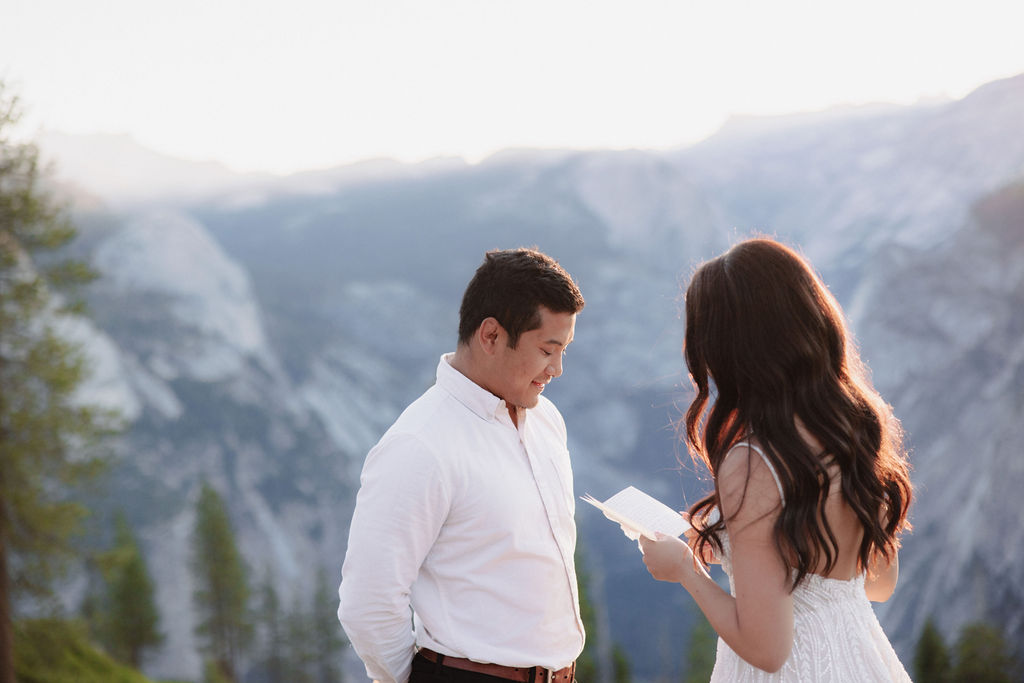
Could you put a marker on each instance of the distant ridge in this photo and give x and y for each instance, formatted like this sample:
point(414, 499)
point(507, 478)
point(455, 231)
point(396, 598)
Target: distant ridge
point(741, 126)
point(119, 169)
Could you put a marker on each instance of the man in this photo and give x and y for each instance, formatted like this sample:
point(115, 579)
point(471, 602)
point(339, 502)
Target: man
point(465, 509)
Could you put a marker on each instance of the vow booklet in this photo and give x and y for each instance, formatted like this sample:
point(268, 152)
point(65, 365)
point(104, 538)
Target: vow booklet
point(639, 514)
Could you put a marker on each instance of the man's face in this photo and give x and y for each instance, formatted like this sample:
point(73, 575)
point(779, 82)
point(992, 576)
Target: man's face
point(521, 373)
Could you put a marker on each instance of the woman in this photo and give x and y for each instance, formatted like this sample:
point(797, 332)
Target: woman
point(811, 482)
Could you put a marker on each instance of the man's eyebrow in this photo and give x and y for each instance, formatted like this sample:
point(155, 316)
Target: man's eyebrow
point(557, 342)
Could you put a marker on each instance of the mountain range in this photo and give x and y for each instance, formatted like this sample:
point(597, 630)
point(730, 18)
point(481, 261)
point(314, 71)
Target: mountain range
point(260, 333)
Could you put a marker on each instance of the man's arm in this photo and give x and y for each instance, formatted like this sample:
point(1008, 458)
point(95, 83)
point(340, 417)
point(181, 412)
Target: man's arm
point(401, 505)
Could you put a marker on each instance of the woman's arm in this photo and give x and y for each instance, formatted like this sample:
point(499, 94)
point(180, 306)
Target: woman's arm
point(881, 579)
point(758, 622)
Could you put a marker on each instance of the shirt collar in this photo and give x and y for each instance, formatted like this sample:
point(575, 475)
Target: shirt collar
point(467, 392)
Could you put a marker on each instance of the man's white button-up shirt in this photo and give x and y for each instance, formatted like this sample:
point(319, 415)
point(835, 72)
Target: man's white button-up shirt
point(470, 521)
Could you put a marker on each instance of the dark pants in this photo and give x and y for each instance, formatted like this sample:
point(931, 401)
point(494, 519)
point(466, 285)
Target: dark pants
point(426, 671)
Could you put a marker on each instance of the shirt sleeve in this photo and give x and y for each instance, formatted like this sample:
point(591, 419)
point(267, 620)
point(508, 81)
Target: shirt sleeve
point(401, 505)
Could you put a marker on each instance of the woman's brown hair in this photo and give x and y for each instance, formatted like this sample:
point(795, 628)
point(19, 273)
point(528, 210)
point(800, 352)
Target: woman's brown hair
point(768, 336)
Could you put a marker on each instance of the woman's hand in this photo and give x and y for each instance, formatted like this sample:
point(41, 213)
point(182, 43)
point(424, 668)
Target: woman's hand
point(667, 558)
point(708, 556)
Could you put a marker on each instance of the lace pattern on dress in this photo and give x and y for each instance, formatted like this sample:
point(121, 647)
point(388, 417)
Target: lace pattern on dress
point(836, 635)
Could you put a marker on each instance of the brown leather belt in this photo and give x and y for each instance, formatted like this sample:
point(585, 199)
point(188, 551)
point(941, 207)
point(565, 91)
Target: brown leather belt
point(530, 674)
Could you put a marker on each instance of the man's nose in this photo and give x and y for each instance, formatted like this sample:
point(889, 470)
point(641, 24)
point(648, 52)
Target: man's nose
point(555, 366)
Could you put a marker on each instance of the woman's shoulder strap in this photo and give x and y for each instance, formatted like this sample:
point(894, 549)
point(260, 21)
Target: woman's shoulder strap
point(771, 468)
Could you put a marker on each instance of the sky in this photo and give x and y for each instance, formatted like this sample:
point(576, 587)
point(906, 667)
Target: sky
point(291, 85)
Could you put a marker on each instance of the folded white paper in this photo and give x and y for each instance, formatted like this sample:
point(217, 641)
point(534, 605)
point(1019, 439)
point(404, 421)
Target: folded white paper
point(639, 514)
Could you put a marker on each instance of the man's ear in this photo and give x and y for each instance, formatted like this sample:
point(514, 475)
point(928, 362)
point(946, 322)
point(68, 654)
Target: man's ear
point(489, 334)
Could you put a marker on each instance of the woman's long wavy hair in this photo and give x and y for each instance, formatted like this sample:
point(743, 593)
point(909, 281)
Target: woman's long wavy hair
point(768, 335)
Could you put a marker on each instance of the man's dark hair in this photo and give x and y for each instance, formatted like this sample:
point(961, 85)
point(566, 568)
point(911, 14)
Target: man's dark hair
point(510, 286)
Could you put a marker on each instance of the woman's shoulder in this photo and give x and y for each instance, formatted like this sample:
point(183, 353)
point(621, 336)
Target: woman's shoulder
point(746, 468)
point(744, 457)
point(749, 496)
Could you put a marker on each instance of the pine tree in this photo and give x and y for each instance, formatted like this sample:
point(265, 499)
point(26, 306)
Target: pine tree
point(131, 620)
point(222, 594)
point(621, 672)
point(931, 656)
point(46, 434)
point(301, 654)
point(701, 652)
point(982, 656)
point(214, 673)
point(589, 666)
point(586, 664)
point(328, 641)
point(270, 621)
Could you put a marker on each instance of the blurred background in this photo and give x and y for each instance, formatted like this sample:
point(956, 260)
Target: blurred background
point(281, 204)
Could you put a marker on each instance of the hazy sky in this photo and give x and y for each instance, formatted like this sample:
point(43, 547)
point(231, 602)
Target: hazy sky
point(295, 84)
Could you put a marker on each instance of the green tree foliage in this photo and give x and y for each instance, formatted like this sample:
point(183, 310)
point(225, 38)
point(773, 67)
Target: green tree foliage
point(700, 659)
point(301, 655)
point(328, 641)
point(982, 656)
point(131, 619)
point(222, 594)
point(931, 656)
point(620, 665)
point(588, 665)
point(46, 433)
point(54, 651)
point(213, 672)
point(270, 621)
point(305, 644)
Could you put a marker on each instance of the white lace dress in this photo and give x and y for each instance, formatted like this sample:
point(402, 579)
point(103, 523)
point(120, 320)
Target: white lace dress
point(836, 636)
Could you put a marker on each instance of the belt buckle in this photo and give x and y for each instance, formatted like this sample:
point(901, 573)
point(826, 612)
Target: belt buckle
point(547, 679)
